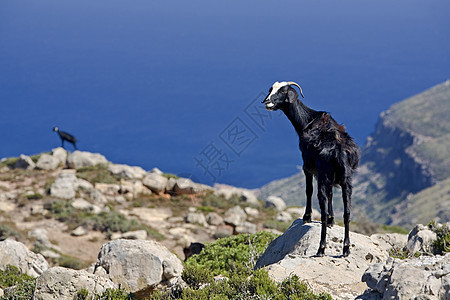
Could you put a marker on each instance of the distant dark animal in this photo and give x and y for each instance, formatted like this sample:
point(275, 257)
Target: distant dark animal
point(194, 248)
point(328, 153)
point(66, 137)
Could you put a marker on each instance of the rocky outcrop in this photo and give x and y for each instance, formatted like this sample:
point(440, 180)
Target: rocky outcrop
point(155, 182)
point(63, 284)
point(125, 171)
point(137, 265)
point(426, 277)
point(17, 254)
point(64, 186)
point(24, 162)
point(294, 253)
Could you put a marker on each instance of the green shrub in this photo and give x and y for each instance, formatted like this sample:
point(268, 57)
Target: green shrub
point(35, 196)
point(9, 162)
point(212, 200)
point(275, 224)
point(169, 175)
point(238, 252)
point(442, 243)
point(7, 231)
point(24, 284)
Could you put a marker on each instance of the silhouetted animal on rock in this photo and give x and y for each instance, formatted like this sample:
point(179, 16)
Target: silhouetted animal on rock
point(66, 137)
point(328, 153)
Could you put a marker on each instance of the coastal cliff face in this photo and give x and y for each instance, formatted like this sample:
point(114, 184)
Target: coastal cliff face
point(404, 166)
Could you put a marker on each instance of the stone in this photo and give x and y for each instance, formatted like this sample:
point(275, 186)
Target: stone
point(84, 184)
point(228, 191)
point(284, 217)
point(64, 284)
point(214, 218)
point(64, 186)
point(109, 189)
point(196, 218)
point(156, 171)
point(276, 202)
point(79, 231)
point(390, 240)
point(155, 182)
point(41, 236)
point(79, 159)
point(36, 209)
point(137, 265)
point(17, 254)
point(300, 211)
point(293, 253)
point(81, 204)
point(420, 239)
point(171, 184)
point(246, 227)
point(187, 186)
point(235, 216)
point(125, 171)
point(250, 211)
point(60, 154)
point(24, 162)
point(425, 277)
point(223, 231)
point(47, 162)
point(130, 235)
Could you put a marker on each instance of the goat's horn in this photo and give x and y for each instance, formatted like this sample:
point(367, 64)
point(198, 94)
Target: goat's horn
point(296, 84)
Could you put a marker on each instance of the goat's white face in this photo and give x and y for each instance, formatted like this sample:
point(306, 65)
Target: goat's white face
point(269, 100)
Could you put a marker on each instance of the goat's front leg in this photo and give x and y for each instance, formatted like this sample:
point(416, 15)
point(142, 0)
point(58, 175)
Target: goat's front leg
point(347, 197)
point(330, 221)
point(323, 192)
point(309, 192)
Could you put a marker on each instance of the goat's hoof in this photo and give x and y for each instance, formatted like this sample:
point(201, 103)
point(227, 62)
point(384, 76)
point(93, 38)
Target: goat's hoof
point(346, 251)
point(330, 222)
point(307, 219)
point(320, 252)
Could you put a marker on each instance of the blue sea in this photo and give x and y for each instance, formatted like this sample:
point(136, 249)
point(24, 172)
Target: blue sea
point(177, 84)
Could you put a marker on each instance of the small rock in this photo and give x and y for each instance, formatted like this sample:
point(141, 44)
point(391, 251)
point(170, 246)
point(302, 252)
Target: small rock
point(223, 231)
point(251, 211)
point(155, 182)
point(214, 218)
point(79, 231)
point(60, 154)
point(156, 171)
point(131, 235)
point(276, 202)
point(108, 188)
point(196, 218)
point(284, 216)
point(420, 239)
point(18, 255)
point(47, 162)
point(64, 186)
point(187, 186)
point(79, 159)
point(235, 216)
point(125, 171)
point(171, 184)
point(246, 227)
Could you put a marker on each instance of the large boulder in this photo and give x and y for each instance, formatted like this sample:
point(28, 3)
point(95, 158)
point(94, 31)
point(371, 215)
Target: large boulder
point(293, 253)
point(420, 239)
point(125, 171)
point(47, 162)
point(137, 265)
point(64, 186)
point(79, 159)
point(155, 182)
point(64, 284)
point(426, 277)
point(17, 254)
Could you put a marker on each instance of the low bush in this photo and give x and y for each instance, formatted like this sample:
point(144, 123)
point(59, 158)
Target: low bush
point(96, 174)
point(442, 243)
point(23, 284)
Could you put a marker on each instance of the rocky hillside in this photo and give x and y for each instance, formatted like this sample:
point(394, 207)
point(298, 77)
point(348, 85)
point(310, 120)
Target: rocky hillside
point(66, 205)
point(405, 165)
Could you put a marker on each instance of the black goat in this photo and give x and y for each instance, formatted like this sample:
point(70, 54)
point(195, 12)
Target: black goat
point(66, 137)
point(328, 153)
point(194, 248)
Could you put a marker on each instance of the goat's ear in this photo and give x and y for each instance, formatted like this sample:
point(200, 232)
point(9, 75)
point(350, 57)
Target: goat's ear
point(292, 95)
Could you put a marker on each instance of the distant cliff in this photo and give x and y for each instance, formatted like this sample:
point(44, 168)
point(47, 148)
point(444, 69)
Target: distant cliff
point(404, 164)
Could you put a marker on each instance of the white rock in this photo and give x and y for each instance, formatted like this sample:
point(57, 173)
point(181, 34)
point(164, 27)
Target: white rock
point(276, 202)
point(235, 216)
point(156, 171)
point(420, 239)
point(246, 227)
point(196, 218)
point(79, 231)
point(84, 184)
point(251, 211)
point(64, 186)
point(18, 255)
point(247, 196)
point(284, 216)
point(137, 264)
point(47, 162)
point(293, 253)
point(214, 218)
point(125, 171)
point(187, 186)
point(131, 235)
point(64, 284)
point(60, 154)
point(155, 182)
point(79, 159)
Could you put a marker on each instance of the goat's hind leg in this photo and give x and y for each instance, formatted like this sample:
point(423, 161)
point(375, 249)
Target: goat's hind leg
point(347, 197)
point(309, 192)
point(330, 221)
point(324, 190)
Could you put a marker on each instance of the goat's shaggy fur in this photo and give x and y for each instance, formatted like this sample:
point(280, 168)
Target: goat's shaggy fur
point(328, 153)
